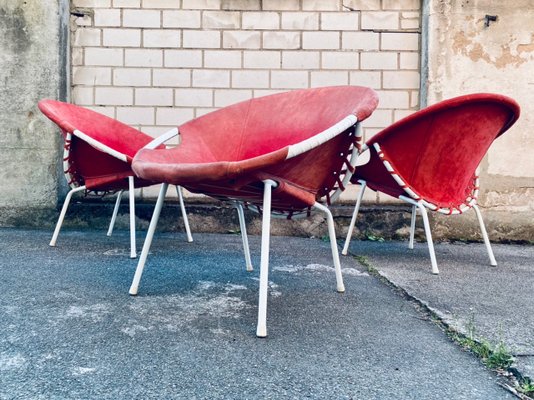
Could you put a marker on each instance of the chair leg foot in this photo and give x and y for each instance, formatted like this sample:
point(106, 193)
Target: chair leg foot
point(62, 214)
point(354, 217)
point(493, 262)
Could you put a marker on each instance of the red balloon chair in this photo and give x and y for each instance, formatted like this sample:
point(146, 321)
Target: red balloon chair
point(283, 154)
point(98, 153)
point(429, 159)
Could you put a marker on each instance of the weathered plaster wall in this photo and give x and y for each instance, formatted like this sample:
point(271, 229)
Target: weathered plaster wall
point(464, 55)
point(31, 66)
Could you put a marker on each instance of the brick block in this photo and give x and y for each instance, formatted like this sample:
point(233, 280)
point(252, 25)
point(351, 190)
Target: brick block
point(400, 114)
point(226, 97)
point(378, 60)
point(278, 5)
point(401, 80)
point(202, 39)
point(159, 4)
point(131, 77)
point(76, 56)
point(107, 111)
point(409, 23)
point(153, 97)
point(261, 59)
point(91, 76)
point(361, 5)
point(181, 19)
point(183, 58)
point(414, 99)
point(261, 20)
point(193, 97)
point(301, 21)
point(379, 119)
point(143, 58)
point(169, 77)
point(300, 59)
point(112, 37)
point(250, 79)
point(241, 40)
point(394, 99)
point(409, 60)
point(91, 3)
point(126, 3)
point(113, 96)
point(339, 21)
point(289, 79)
point(141, 18)
point(203, 111)
point(241, 5)
point(220, 20)
point(281, 40)
point(136, 115)
point(86, 20)
point(399, 41)
point(82, 95)
point(107, 17)
point(202, 4)
point(360, 40)
point(172, 116)
point(222, 59)
point(320, 40)
point(267, 92)
point(321, 5)
point(339, 60)
point(104, 57)
point(211, 78)
point(86, 37)
point(161, 38)
point(365, 78)
point(380, 20)
point(401, 4)
point(329, 78)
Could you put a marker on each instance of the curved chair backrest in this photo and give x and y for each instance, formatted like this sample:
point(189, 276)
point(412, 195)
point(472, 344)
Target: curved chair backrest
point(85, 163)
point(437, 150)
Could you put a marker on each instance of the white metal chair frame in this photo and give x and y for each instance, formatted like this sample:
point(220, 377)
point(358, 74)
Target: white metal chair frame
point(67, 168)
point(294, 150)
point(419, 203)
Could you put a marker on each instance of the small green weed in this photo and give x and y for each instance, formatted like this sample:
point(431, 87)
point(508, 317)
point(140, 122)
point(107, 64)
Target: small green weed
point(374, 238)
point(527, 386)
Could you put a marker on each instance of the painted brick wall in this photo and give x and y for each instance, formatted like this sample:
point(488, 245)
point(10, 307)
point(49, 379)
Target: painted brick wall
point(154, 64)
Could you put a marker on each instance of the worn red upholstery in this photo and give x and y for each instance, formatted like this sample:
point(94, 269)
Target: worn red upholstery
point(228, 153)
point(436, 151)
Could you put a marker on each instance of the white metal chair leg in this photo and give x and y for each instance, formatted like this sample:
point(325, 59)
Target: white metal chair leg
point(63, 212)
point(261, 330)
point(493, 262)
point(131, 197)
point(115, 212)
point(148, 240)
point(412, 227)
point(354, 216)
point(184, 214)
point(333, 245)
point(244, 236)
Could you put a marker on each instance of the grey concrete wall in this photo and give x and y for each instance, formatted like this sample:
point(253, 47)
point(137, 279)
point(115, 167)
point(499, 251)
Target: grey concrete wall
point(32, 67)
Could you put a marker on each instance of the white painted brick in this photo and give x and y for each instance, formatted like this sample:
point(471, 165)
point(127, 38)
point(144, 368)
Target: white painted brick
point(220, 20)
point(226, 97)
point(202, 4)
point(107, 17)
point(401, 4)
point(329, 78)
point(91, 3)
point(379, 119)
point(76, 56)
point(261, 59)
point(181, 19)
point(183, 58)
point(86, 37)
point(199, 112)
point(222, 59)
point(399, 41)
point(409, 60)
point(360, 40)
point(358, 5)
point(98, 56)
point(410, 14)
point(283, 5)
point(131, 77)
point(401, 80)
point(141, 18)
point(173, 116)
point(281, 40)
point(320, 40)
point(201, 39)
point(393, 99)
point(127, 3)
point(414, 99)
point(143, 58)
point(250, 79)
point(300, 21)
point(386, 20)
point(121, 37)
point(241, 40)
point(365, 78)
point(267, 92)
point(339, 60)
point(161, 38)
point(321, 5)
point(153, 97)
point(107, 111)
point(194, 97)
point(160, 4)
point(289, 79)
point(261, 20)
point(300, 59)
point(378, 60)
point(86, 20)
point(113, 96)
point(82, 95)
point(136, 115)
point(339, 21)
point(91, 76)
point(169, 77)
point(409, 23)
point(241, 5)
point(400, 114)
point(211, 78)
